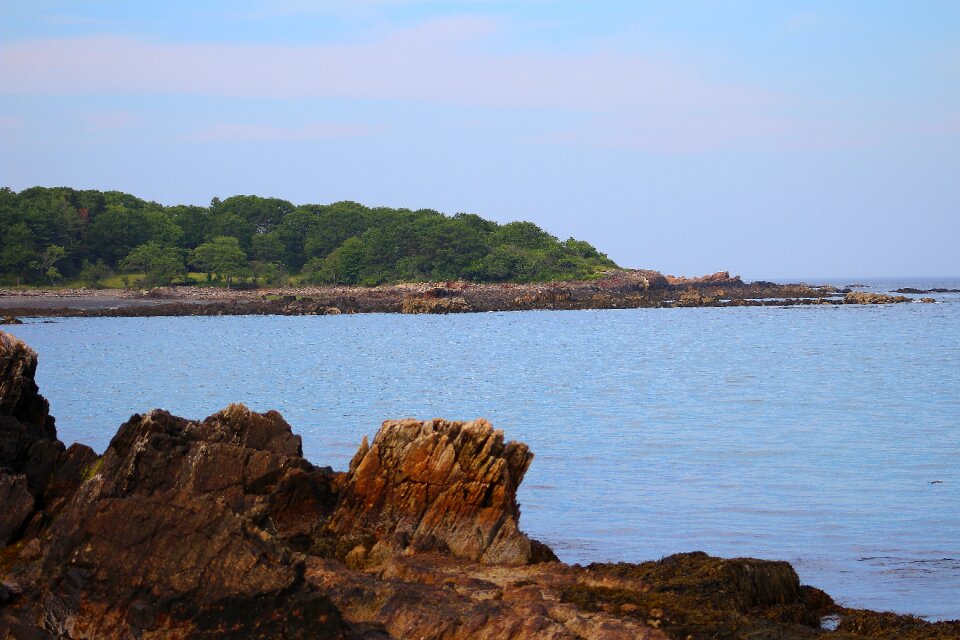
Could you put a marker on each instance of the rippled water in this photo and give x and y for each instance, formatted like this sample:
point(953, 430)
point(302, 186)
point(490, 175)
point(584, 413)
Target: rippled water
point(828, 437)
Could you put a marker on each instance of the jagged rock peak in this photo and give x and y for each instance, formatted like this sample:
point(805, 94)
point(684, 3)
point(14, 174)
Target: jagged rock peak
point(19, 395)
point(437, 486)
point(187, 529)
point(235, 425)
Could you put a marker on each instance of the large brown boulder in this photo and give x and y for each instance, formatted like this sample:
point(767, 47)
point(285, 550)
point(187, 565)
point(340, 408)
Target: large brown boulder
point(436, 486)
point(179, 532)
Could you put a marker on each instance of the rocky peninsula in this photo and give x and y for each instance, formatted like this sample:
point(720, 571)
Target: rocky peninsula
point(221, 529)
point(621, 289)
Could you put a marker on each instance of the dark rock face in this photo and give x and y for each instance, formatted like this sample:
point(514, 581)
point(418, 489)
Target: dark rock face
point(19, 395)
point(696, 594)
point(18, 506)
point(437, 486)
point(172, 535)
point(31, 457)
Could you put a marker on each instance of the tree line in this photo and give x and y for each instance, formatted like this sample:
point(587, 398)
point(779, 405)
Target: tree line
point(48, 235)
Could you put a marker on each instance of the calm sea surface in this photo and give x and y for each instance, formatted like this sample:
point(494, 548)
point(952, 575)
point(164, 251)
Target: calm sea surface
point(827, 437)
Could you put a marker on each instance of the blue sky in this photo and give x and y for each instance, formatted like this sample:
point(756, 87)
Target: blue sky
point(776, 140)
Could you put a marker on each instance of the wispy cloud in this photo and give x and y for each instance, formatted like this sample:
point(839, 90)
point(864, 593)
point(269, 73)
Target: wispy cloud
point(443, 62)
point(109, 120)
point(226, 132)
point(10, 123)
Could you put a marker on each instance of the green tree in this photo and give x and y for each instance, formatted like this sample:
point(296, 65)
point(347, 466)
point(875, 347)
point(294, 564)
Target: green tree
point(293, 232)
point(270, 273)
point(17, 252)
point(320, 271)
point(222, 256)
point(46, 265)
point(525, 235)
point(334, 225)
point(194, 223)
point(50, 216)
point(347, 263)
point(93, 275)
point(267, 247)
point(260, 215)
point(116, 232)
point(160, 263)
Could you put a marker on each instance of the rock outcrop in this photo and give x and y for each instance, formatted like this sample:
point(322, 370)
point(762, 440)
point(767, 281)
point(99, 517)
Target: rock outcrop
point(20, 397)
point(439, 300)
point(718, 278)
point(179, 531)
point(436, 486)
point(863, 297)
point(37, 473)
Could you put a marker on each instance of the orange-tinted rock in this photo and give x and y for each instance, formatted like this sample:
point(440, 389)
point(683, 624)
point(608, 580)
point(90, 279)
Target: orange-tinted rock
point(438, 486)
point(718, 278)
point(444, 598)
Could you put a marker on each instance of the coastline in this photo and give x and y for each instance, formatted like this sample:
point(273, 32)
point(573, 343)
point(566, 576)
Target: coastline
point(619, 290)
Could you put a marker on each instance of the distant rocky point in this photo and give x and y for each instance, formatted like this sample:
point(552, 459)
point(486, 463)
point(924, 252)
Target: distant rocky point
point(618, 289)
point(934, 290)
point(221, 529)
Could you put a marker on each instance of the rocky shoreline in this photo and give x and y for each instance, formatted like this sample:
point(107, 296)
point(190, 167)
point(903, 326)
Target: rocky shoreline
point(221, 529)
point(630, 289)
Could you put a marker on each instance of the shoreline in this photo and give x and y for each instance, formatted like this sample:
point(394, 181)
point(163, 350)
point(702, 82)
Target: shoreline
point(620, 290)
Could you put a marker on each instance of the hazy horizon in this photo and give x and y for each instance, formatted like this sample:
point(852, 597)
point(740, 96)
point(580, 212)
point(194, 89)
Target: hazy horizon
point(692, 137)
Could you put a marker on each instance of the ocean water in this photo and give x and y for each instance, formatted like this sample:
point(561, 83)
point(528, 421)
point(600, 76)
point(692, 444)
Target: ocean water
point(825, 436)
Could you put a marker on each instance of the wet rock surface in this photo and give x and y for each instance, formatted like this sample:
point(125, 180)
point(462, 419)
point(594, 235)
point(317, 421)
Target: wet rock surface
point(220, 529)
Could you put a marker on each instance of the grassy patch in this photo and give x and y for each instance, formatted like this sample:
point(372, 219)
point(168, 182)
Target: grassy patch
point(93, 469)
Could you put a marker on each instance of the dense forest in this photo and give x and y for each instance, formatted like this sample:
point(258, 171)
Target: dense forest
point(54, 235)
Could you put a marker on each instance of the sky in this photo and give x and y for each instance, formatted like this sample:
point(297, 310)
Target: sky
point(775, 140)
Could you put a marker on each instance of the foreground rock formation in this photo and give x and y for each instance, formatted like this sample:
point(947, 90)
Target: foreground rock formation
point(220, 529)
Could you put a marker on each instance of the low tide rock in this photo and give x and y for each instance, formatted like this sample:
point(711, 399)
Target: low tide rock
point(863, 297)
